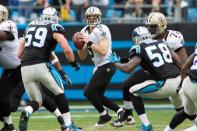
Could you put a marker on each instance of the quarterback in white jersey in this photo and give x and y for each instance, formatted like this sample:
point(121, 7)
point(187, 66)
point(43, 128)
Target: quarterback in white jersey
point(98, 45)
point(99, 32)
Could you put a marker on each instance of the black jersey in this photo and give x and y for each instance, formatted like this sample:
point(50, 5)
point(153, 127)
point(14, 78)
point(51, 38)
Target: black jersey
point(156, 59)
point(39, 43)
point(192, 72)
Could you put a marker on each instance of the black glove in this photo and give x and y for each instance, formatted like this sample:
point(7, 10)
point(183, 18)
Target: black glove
point(75, 64)
point(65, 78)
point(124, 59)
point(179, 87)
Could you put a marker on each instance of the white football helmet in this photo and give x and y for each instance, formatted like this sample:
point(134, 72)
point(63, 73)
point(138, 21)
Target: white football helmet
point(3, 13)
point(50, 15)
point(156, 23)
point(93, 16)
point(140, 34)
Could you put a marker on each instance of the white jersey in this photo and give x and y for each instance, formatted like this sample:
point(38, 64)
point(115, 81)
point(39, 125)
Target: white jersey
point(99, 32)
point(8, 49)
point(174, 40)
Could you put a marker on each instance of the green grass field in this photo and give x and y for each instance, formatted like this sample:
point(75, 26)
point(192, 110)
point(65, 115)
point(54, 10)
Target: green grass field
point(44, 121)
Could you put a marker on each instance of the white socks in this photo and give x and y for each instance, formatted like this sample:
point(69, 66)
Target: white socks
point(168, 128)
point(8, 119)
point(67, 118)
point(128, 104)
point(56, 113)
point(103, 113)
point(29, 109)
point(144, 119)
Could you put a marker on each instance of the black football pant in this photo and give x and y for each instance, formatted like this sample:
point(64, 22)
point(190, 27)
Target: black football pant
point(136, 78)
point(8, 82)
point(95, 89)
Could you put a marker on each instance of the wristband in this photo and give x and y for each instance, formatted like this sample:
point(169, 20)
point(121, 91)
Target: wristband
point(89, 44)
point(62, 72)
point(74, 63)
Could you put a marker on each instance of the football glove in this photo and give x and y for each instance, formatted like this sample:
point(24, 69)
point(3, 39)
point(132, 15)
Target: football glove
point(113, 58)
point(75, 65)
point(65, 78)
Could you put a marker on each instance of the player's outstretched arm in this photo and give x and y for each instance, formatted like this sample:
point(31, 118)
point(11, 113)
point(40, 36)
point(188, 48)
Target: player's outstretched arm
point(176, 59)
point(130, 66)
point(186, 66)
point(67, 50)
point(64, 44)
point(182, 54)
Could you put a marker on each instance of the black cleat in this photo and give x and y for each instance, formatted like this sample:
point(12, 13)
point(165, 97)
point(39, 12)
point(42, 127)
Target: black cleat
point(8, 127)
point(23, 121)
point(125, 117)
point(102, 120)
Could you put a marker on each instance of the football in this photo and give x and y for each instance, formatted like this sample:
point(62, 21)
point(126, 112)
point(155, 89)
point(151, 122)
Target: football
point(78, 44)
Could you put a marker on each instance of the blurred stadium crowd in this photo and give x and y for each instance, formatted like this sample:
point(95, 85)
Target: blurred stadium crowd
point(130, 11)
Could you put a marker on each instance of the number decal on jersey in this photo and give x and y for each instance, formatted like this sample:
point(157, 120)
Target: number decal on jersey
point(39, 37)
point(159, 59)
point(194, 66)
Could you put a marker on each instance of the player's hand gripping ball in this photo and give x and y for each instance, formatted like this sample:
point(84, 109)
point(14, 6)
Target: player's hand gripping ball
point(76, 40)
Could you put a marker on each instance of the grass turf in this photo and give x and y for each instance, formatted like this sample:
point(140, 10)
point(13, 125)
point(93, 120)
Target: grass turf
point(44, 121)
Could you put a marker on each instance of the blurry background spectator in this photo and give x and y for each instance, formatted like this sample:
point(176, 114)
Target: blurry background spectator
point(119, 9)
point(79, 7)
point(25, 10)
point(102, 5)
point(133, 8)
point(39, 5)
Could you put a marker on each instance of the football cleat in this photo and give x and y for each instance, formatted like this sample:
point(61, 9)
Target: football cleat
point(147, 128)
point(102, 120)
point(125, 118)
point(71, 127)
point(8, 127)
point(24, 120)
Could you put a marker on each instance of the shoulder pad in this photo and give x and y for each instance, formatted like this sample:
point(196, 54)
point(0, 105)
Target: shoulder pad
point(102, 30)
point(135, 50)
point(57, 28)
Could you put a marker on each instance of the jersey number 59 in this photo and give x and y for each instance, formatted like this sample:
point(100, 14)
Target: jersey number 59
point(36, 36)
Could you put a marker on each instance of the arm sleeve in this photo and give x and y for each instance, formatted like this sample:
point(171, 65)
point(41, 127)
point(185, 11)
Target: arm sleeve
point(58, 29)
point(135, 51)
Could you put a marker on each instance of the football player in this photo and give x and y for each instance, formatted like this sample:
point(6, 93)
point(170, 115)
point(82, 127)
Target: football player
point(98, 45)
point(10, 63)
point(189, 77)
point(162, 77)
point(41, 39)
point(157, 25)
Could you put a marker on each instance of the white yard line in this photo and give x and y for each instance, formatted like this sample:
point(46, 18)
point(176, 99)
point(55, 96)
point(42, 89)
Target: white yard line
point(86, 108)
